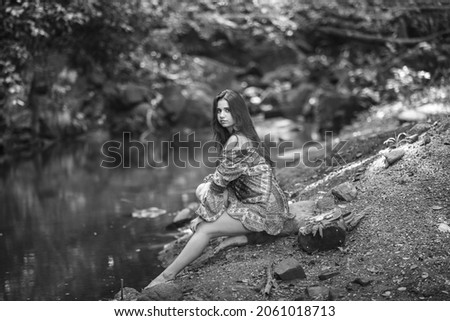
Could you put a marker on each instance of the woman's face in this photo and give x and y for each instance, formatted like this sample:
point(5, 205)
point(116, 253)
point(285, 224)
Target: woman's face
point(224, 115)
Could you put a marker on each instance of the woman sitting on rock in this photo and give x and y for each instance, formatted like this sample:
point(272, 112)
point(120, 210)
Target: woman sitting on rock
point(242, 195)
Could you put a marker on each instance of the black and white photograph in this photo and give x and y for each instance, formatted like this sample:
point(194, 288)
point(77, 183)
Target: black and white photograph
point(292, 154)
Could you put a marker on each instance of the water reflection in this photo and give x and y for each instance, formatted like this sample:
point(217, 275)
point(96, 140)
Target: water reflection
point(65, 227)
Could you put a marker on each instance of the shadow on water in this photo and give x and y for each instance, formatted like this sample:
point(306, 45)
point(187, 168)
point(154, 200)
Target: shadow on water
point(66, 231)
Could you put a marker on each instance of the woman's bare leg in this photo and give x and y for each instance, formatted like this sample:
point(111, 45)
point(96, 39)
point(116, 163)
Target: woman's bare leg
point(223, 226)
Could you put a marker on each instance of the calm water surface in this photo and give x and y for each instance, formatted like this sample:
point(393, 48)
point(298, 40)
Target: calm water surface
point(66, 232)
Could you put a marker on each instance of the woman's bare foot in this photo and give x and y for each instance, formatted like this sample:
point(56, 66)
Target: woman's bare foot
point(160, 279)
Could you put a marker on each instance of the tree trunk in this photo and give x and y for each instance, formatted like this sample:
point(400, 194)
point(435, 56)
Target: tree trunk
point(33, 105)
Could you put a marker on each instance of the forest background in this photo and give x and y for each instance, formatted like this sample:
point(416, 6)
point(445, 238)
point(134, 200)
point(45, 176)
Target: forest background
point(71, 67)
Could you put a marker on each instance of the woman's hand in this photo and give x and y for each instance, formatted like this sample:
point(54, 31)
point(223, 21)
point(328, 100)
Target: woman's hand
point(201, 191)
point(194, 223)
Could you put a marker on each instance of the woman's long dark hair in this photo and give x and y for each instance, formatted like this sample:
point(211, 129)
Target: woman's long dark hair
point(243, 123)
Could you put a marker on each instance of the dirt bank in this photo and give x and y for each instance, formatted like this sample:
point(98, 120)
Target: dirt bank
point(399, 250)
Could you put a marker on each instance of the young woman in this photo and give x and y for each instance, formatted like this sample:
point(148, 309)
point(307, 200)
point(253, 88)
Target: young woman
point(242, 195)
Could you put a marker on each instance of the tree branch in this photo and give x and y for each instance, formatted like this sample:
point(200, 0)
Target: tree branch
point(270, 281)
point(379, 39)
point(425, 8)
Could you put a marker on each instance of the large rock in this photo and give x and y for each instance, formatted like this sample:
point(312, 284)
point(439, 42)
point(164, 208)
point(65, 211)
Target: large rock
point(330, 111)
point(213, 74)
point(185, 215)
point(289, 269)
point(127, 107)
point(297, 100)
point(411, 116)
point(141, 110)
point(345, 192)
point(133, 94)
point(435, 109)
point(174, 102)
point(184, 107)
point(198, 110)
point(285, 73)
point(162, 292)
point(113, 101)
point(125, 97)
point(233, 41)
point(269, 54)
point(182, 217)
point(332, 237)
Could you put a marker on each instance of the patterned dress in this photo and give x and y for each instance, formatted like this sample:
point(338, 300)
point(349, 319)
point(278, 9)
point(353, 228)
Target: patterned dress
point(254, 196)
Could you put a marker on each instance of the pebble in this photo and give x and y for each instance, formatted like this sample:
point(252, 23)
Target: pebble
point(426, 140)
point(401, 288)
point(345, 191)
point(362, 282)
point(318, 293)
point(336, 293)
point(351, 287)
point(328, 275)
point(444, 228)
point(394, 156)
point(386, 293)
point(289, 269)
point(373, 269)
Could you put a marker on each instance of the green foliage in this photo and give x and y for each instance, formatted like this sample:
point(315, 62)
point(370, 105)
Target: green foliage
point(116, 34)
point(379, 48)
point(30, 27)
point(91, 32)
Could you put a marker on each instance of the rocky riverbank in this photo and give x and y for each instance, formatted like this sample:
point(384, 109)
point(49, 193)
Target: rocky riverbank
point(398, 190)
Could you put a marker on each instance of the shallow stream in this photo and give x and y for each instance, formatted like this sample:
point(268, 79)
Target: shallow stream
point(66, 230)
